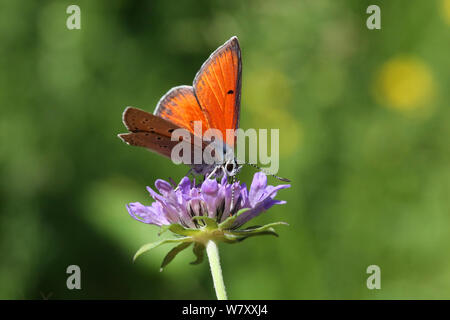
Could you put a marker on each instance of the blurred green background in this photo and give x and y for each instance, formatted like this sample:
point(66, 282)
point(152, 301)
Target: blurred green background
point(365, 128)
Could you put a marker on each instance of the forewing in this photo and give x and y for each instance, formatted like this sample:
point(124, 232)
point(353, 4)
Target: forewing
point(217, 86)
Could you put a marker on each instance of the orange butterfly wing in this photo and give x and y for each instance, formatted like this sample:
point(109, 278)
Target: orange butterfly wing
point(180, 106)
point(215, 96)
point(217, 86)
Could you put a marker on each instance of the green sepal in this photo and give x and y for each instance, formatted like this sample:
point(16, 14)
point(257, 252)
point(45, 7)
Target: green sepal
point(228, 222)
point(179, 229)
point(164, 228)
point(199, 251)
point(268, 232)
point(238, 237)
point(173, 253)
point(256, 229)
point(152, 245)
point(230, 238)
point(233, 236)
point(209, 222)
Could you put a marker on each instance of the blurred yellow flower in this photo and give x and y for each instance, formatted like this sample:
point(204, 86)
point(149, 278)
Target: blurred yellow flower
point(404, 83)
point(446, 10)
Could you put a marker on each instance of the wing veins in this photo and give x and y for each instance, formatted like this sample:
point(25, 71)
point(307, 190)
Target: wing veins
point(215, 95)
point(217, 79)
point(223, 75)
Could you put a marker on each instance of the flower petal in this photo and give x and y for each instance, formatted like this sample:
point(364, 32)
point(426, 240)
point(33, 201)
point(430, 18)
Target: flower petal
point(210, 187)
point(163, 186)
point(150, 215)
point(256, 211)
point(185, 185)
point(210, 194)
point(257, 187)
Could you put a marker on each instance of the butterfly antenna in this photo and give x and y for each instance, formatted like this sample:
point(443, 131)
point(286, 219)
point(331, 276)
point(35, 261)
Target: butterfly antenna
point(269, 174)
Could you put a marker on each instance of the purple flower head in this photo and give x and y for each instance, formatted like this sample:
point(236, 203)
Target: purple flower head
point(210, 199)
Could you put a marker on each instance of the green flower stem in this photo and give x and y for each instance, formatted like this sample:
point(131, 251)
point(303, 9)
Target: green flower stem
point(216, 270)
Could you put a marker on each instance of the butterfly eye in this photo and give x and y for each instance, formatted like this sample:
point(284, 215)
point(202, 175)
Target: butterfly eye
point(230, 167)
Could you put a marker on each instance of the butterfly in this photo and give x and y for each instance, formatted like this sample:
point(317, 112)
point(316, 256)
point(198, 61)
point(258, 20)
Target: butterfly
point(214, 99)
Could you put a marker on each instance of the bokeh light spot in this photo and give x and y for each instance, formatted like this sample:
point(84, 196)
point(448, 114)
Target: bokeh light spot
point(404, 83)
point(446, 10)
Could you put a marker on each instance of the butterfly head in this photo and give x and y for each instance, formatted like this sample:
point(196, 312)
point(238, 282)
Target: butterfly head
point(231, 167)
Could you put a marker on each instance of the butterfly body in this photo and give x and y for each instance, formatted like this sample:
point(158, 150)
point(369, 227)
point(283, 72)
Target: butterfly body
point(213, 100)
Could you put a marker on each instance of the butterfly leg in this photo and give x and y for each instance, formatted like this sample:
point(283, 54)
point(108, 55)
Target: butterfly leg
point(213, 172)
point(233, 180)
